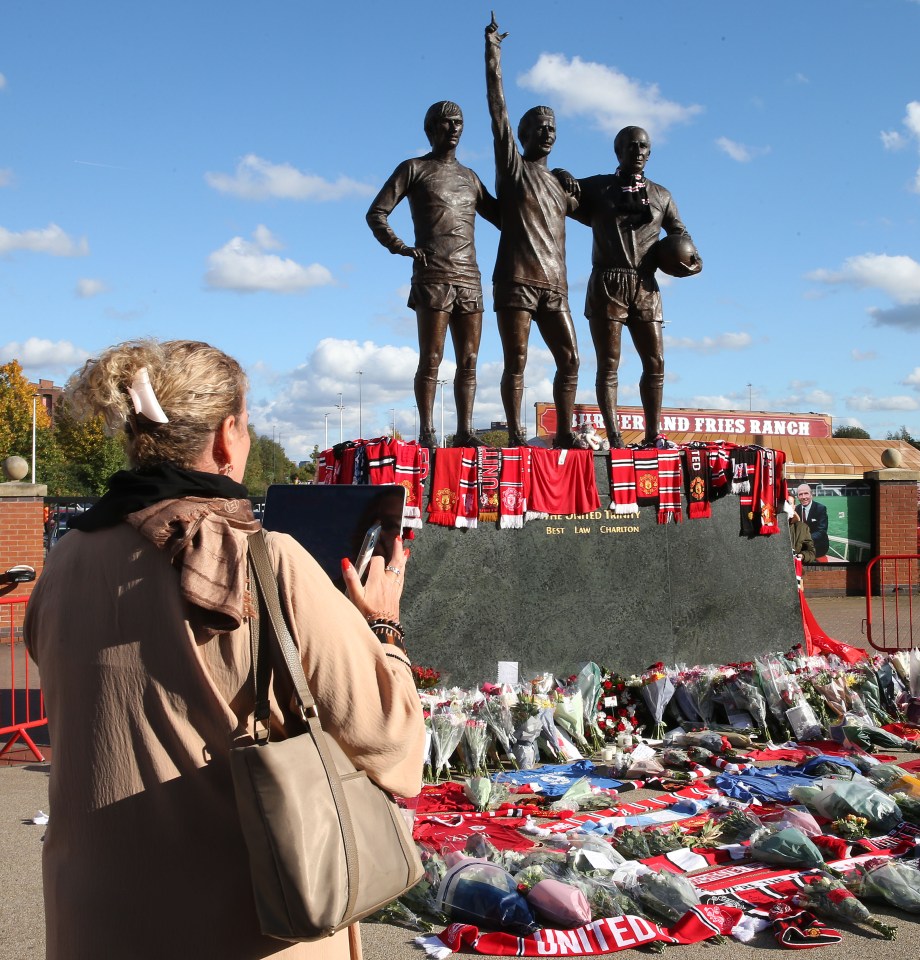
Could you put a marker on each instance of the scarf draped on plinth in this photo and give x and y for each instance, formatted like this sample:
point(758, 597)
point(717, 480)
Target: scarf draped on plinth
point(202, 521)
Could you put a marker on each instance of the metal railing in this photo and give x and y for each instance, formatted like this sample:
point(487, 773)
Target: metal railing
point(890, 612)
point(24, 710)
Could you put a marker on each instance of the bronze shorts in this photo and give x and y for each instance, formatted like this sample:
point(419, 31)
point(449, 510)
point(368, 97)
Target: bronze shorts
point(446, 297)
point(522, 296)
point(623, 295)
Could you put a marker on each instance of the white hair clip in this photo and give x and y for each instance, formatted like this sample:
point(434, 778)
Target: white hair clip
point(144, 399)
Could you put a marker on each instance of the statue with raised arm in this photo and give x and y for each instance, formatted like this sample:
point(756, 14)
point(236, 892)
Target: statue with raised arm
point(444, 198)
point(626, 213)
point(529, 282)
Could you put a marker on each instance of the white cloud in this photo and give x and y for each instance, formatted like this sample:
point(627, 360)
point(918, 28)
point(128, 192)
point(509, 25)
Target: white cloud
point(892, 140)
point(51, 240)
point(258, 179)
point(913, 379)
point(740, 151)
point(88, 287)
point(6, 176)
point(611, 99)
point(860, 355)
point(898, 277)
point(44, 354)
point(912, 119)
point(246, 267)
point(714, 402)
point(865, 402)
point(724, 341)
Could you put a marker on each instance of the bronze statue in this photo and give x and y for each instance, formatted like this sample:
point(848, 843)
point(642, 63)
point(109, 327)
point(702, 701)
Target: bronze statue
point(530, 278)
point(626, 213)
point(444, 198)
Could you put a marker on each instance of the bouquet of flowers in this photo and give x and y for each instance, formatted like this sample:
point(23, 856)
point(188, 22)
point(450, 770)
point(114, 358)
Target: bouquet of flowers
point(526, 715)
point(739, 825)
point(748, 698)
point(786, 700)
point(570, 716)
point(867, 687)
point(447, 726)
point(657, 690)
point(669, 895)
point(559, 903)
point(837, 798)
point(497, 715)
point(830, 898)
point(473, 746)
point(478, 790)
point(631, 843)
point(909, 807)
point(892, 881)
point(589, 681)
point(425, 677)
point(785, 845)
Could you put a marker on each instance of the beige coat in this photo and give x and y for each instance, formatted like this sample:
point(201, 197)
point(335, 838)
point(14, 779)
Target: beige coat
point(143, 857)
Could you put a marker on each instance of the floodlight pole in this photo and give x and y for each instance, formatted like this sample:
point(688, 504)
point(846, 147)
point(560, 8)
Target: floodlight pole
point(35, 397)
point(340, 406)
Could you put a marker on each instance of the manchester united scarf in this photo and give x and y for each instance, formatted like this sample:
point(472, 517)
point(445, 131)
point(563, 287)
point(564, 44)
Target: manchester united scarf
point(468, 501)
point(488, 475)
point(514, 479)
point(646, 464)
point(600, 937)
point(697, 479)
point(411, 470)
point(623, 482)
point(562, 482)
point(445, 486)
point(669, 510)
point(381, 460)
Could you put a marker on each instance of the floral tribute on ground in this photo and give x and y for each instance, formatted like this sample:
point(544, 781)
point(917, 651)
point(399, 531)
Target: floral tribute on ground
point(773, 802)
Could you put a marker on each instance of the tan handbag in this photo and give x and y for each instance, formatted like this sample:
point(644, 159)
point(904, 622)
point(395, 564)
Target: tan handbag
point(327, 846)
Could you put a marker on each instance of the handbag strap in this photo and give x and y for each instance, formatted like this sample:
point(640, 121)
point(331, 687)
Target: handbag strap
point(265, 584)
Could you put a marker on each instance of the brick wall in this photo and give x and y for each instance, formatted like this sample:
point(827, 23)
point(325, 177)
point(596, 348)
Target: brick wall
point(21, 530)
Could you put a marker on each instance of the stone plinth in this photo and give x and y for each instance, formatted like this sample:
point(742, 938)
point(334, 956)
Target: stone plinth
point(622, 591)
point(21, 532)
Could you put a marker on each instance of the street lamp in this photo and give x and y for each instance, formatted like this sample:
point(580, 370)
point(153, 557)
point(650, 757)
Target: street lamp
point(325, 431)
point(340, 407)
point(360, 430)
point(442, 382)
point(393, 411)
point(35, 397)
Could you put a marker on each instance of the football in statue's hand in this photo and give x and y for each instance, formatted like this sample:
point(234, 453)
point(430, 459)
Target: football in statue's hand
point(676, 256)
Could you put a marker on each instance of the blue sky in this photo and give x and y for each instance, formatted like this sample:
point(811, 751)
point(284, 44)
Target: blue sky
point(202, 170)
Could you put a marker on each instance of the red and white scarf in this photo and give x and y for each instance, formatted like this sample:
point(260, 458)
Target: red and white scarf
point(646, 463)
point(381, 460)
point(411, 471)
point(488, 475)
point(562, 482)
point(669, 510)
point(600, 937)
point(623, 482)
point(468, 501)
point(513, 487)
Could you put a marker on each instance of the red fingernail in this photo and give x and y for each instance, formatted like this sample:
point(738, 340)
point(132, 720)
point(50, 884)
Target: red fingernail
point(408, 554)
point(346, 564)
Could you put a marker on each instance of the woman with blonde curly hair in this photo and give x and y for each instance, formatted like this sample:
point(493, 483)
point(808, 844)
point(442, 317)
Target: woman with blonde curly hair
point(139, 624)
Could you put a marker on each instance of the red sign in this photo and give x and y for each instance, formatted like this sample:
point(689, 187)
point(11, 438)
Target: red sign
point(725, 423)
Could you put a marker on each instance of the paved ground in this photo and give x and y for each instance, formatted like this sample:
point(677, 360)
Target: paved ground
point(24, 791)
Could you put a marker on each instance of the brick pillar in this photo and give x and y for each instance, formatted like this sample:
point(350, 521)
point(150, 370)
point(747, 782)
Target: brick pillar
point(895, 518)
point(21, 532)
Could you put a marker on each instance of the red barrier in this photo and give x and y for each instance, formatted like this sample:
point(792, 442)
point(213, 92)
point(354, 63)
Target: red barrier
point(897, 586)
point(22, 715)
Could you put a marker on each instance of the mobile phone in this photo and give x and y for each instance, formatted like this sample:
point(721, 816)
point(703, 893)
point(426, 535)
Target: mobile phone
point(367, 549)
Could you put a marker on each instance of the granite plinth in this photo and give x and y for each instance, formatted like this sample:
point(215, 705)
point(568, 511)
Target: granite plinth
point(622, 591)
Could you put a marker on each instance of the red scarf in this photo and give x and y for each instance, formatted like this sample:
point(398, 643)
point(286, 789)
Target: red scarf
point(562, 482)
point(513, 486)
point(411, 470)
point(468, 501)
point(669, 510)
point(698, 478)
point(444, 494)
point(381, 460)
point(646, 462)
point(623, 482)
point(593, 939)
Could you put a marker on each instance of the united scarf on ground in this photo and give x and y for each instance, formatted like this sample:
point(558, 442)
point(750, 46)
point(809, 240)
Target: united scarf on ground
point(514, 480)
point(623, 482)
point(609, 935)
point(562, 482)
point(669, 510)
point(697, 480)
point(468, 501)
point(488, 477)
point(445, 486)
